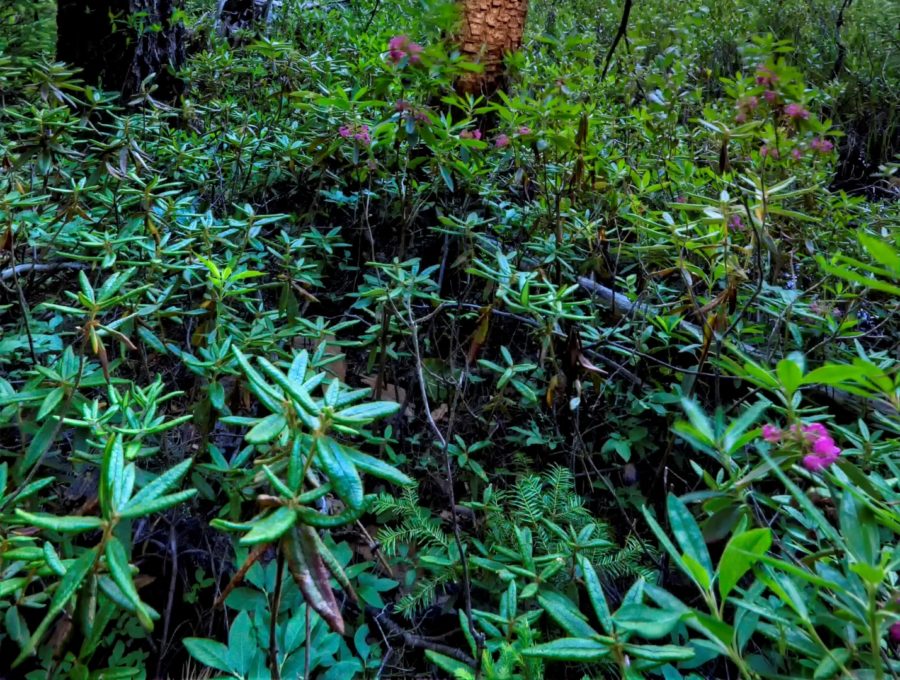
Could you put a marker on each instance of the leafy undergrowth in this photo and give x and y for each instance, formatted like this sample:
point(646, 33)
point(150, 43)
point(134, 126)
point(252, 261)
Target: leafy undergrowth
point(326, 371)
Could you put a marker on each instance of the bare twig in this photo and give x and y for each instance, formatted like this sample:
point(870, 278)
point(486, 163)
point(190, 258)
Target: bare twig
point(620, 33)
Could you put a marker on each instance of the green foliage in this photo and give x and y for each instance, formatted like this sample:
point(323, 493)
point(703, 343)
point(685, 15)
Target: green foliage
point(606, 364)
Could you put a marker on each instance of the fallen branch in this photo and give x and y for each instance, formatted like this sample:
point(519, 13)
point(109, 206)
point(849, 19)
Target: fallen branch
point(411, 640)
point(622, 305)
point(29, 267)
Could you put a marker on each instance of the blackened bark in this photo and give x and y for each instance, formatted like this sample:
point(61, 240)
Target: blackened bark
point(238, 15)
point(119, 43)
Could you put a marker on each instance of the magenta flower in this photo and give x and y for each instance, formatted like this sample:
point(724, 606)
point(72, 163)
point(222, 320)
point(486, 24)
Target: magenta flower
point(771, 434)
point(796, 153)
point(735, 222)
point(524, 130)
point(344, 131)
point(470, 134)
point(362, 135)
point(894, 632)
point(771, 96)
point(400, 46)
point(501, 141)
point(765, 151)
point(824, 452)
point(821, 145)
point(765, 76)
point(750, 103)
point(795, 112)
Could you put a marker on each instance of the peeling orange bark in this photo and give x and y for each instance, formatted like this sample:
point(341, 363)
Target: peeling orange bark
point(490, 30)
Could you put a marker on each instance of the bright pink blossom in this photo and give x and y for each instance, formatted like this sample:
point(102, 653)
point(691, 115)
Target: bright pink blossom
point(795, 112)
point(824, 452)
point(524, 130)
point(401, 46)
point(344, 131)
point(771, 433)
point(894, 632)
point(501, 141)
point(735, 222)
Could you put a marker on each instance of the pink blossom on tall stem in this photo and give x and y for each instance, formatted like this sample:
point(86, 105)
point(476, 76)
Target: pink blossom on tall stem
point(796, 153)
point(824, 452)
point(501, 141)
point(765, 151)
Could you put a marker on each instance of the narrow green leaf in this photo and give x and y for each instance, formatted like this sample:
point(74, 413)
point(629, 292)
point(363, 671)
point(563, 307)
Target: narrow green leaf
point(271, 527)
point(688, 534)
point(64, 525)
point(119, 569)
point(596, 594)
point(134, 510)
point(570, 649)
point(266, 429)
point(64, 592)
point(341, 471)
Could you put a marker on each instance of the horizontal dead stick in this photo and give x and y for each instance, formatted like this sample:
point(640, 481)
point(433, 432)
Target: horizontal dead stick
point(622, 305)
point(412, 640)
point(28, 267)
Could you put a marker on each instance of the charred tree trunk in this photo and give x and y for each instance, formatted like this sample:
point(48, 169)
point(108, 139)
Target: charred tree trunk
point(241, 15)
point(490, 30)
point(117, 45)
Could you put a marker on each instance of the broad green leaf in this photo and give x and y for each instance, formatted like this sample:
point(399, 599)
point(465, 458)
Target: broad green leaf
point(698, 419)
point(739, 556)
point(456, 669)
point(51, 401)
point(209, 653)
point(271, 527)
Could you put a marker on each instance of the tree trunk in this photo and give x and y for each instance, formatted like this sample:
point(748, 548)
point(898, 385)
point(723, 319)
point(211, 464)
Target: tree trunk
point(120, 54)
point(490, 30)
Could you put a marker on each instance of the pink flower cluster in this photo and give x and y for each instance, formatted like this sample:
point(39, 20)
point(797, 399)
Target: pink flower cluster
point(470, 134)
point(821, 145)
point(796, 112)
point(400, 46)
point(815, 438)
point(410, 112)
point(358, 132)
point(746, 106)
point(501, 141)
point(765, 76)
point(766, 150)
